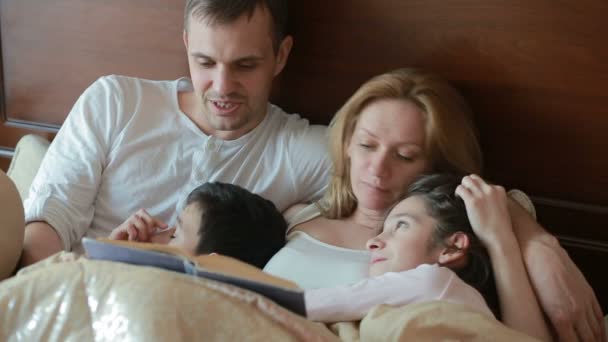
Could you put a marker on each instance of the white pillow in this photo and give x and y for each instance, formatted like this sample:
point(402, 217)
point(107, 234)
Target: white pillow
point(25, 163)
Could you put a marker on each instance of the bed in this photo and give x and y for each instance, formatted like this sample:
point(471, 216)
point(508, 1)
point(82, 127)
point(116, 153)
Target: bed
point(534, 71)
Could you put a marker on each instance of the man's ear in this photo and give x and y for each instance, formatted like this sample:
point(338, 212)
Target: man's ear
point(283, 54)
point(185, 38)
point(454, 255)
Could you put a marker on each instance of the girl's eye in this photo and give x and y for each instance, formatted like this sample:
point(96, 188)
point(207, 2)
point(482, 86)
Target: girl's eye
point(365, 146)
point(401, 224)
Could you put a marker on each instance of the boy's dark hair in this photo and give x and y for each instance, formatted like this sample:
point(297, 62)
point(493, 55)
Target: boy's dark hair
point(227, 11)
point(237, 223)
point(449, 210)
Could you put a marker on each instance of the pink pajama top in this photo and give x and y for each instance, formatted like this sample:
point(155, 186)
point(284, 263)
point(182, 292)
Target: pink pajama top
point(422, 284)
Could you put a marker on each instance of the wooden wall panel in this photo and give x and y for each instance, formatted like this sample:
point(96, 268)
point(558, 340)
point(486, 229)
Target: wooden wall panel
point(52, 50)
point(534, 71)
point(4, 163)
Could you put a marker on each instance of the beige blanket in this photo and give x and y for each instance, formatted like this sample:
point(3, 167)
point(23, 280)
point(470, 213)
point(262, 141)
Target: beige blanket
point(74, 299)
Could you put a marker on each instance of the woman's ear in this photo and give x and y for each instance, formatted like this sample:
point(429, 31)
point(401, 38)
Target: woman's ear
point(454, 255)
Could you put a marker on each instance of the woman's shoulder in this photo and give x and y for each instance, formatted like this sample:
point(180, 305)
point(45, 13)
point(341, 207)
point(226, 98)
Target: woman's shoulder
point(292, 211)
point(300, 214)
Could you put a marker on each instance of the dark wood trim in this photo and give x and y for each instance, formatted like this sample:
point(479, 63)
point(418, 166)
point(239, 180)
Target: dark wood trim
point(34, 126)
point(572, 205)
point(598, 246)
point(7, 152)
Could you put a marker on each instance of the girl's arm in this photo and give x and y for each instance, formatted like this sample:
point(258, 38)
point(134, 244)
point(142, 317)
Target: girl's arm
point(353, 302)
point(487, 210)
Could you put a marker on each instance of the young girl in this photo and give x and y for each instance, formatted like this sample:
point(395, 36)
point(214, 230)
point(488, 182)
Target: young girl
point(428, 250)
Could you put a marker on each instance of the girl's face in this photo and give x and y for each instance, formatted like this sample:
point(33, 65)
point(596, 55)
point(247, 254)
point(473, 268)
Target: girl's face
point(186, 229)
point(405, 241)
point(386, 152)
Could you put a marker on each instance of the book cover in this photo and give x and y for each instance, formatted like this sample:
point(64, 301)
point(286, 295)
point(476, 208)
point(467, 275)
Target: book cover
point(215, 267)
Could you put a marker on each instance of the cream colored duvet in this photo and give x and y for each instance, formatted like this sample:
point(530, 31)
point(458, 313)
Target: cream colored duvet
point(69, 299)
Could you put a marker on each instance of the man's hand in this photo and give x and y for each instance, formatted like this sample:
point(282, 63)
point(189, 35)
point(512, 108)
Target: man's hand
point(141, 227)
point(564, 294)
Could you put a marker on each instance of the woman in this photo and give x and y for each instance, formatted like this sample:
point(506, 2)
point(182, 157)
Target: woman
point(431, 249)
point(392, 130)
point(396, 127)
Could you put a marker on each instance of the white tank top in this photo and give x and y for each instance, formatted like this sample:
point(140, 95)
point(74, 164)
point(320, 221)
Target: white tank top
point(311, 263)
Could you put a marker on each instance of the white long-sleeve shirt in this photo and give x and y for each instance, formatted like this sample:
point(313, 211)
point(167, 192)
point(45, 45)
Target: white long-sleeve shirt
point(422, 284)
point(127, 145)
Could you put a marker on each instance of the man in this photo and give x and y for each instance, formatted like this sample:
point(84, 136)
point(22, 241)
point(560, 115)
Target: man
point(130, 143)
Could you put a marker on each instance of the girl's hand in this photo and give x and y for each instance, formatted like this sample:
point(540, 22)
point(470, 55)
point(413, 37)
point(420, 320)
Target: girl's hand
point(486, 207)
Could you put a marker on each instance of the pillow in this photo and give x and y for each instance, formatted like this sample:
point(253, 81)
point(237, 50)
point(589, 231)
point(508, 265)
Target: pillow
point(522, 199)
point(25, 163)
point(12, 225)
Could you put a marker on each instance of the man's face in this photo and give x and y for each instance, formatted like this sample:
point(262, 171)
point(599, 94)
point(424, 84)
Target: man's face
point(232, 66)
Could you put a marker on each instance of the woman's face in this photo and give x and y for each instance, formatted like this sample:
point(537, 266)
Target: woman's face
point(386, 152)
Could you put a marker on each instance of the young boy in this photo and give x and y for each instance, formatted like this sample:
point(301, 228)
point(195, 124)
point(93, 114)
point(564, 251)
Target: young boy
point(217, 218)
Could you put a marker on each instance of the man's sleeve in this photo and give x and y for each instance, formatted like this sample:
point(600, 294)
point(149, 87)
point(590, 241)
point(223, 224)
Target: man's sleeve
point(350, 303)
point(64, 189)
point(311, 163)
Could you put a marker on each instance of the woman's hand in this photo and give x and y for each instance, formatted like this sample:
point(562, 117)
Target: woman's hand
point(564, 294)
point(141, 227)
point(486, 208)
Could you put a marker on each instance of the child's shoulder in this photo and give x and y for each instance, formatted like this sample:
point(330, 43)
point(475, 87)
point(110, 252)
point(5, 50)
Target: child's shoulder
point(432, 272)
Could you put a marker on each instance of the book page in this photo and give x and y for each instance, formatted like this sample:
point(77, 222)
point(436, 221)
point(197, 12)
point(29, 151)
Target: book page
point(231, 266)
point(212, 262)
point(151, 247)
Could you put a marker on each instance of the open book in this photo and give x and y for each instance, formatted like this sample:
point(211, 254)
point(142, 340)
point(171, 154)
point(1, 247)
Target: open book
point(215, 267)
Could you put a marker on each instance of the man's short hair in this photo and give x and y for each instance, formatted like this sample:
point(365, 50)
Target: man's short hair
point(227, 11)
point(237, 223)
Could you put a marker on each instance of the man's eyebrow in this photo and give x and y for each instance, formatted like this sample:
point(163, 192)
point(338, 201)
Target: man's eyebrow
point(249, 58)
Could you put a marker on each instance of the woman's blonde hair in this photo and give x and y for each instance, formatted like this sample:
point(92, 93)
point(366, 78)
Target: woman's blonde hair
point(451, 143)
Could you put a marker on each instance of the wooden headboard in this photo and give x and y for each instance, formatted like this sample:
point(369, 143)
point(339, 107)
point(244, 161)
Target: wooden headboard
point(535, 72)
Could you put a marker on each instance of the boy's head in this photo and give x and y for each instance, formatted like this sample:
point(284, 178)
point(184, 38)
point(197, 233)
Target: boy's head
point(430, 226)
point(229, 220)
